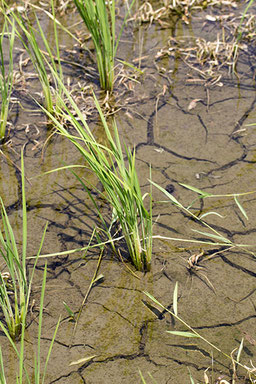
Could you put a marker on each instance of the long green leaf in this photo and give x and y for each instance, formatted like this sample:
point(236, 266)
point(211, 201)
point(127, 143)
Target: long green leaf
point(191, 378)
point(221, 238)
point(24, 216)
point(69, 310)
point(142, 378)
point(202, 193)
point(240, 207)
point(2, 374)
point(169, 195)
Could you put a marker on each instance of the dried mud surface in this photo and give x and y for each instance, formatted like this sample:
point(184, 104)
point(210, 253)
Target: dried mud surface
point(209, 147)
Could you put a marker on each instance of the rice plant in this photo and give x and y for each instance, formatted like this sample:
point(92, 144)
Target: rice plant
point(143, 379)
point(118, 177)
point(239, 31)
point(6, 77)
point(23, 376)
point(213, 237)
point(29, 37)
point(190, 332)
point(14, 285)
point(99, 17)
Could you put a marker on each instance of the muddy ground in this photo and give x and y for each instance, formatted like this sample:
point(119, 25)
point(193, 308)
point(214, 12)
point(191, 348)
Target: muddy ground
point(209, 147)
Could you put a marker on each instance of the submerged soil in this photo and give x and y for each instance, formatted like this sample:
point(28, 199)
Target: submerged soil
point(208, 145)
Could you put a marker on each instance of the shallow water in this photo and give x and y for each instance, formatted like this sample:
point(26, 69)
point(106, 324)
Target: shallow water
point(209, 147)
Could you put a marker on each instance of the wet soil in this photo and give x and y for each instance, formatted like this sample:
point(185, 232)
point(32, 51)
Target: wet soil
point(210, 147)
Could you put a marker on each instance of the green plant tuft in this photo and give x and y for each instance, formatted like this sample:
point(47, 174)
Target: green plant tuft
point(99, 17)
point(6, 77)
point(15, 286)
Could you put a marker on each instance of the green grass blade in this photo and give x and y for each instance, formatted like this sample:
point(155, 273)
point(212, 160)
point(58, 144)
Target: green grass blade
point(24, 216)
point(142, 378)
point(69, 310)
point(202, 193)
point(241, 208)
point(6, 80)
point(191, 378)
point(37, 372)
point(171, 197)
point(220, 238)
point(2, 374)
point(131, 66)
point(152, 378)
point(50, 350)
point(242, 19)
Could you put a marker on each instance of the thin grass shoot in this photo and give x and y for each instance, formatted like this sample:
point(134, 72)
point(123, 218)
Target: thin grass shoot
point(6, 76)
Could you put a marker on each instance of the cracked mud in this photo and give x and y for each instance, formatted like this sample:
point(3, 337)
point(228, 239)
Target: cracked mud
point(209, 147)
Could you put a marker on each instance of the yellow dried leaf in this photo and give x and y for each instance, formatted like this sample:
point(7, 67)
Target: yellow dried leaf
point(83, 360)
